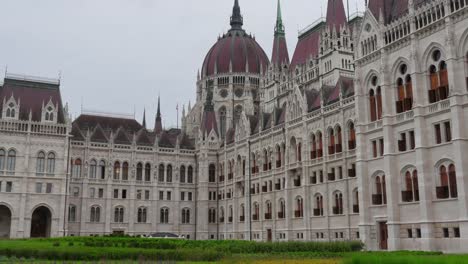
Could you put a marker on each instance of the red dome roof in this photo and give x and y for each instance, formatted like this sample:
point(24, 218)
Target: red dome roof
point(238, 48)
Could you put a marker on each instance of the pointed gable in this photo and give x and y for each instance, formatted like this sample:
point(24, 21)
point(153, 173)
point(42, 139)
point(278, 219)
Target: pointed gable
point(122, 137)
point(76, 133)
point(99, 135)
point(143, 138)
point(336, 16)
point(32, 93)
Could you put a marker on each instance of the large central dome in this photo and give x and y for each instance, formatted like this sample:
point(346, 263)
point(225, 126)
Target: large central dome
point(235, 49)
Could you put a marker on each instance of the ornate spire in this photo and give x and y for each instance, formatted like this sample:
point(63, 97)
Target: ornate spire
point(236, 19)
point(158, 123)
point(209, 100)
point(144, 118)
point(279, 28)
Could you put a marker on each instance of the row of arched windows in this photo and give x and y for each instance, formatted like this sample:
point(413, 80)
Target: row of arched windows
point(44, 165)
point(7, 161)
point(446, 186)
point(97, 170)
point(438, 87)
point(119, 214)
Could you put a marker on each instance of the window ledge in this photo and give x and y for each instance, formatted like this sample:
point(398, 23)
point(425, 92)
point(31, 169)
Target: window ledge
point(408, 203)
point(444, 200)
point(377, 205)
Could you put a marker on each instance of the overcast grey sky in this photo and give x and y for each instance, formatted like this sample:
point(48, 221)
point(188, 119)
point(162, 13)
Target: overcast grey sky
point(117, 55)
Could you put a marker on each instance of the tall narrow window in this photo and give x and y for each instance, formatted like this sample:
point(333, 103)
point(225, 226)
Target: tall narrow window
point(331, 142)
point(212, 173)
point(139, 172)
point(352, 137)
point(190, 174)
point(2, 160)
point(40, 163)
point(169, 173)
point(339, 140)
point(72, 213)
point(76, 168)
point(92, 169)
point(102, 170)
point(182, 174)
point(117, 170)
point(164, 216)
point(119, 215)
point(379, 103)
point(372, 106)
point(148, 172)
point(142, 215)
point(161, 173)
point(125, 171)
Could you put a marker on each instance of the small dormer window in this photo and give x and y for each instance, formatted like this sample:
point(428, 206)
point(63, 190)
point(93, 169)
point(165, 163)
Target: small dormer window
point(11, 111)
point(49, 115)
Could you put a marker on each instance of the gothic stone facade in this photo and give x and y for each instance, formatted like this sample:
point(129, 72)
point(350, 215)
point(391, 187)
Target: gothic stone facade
point(360, 136)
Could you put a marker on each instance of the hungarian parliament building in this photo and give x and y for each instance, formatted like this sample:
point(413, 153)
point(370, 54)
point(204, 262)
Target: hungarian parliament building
point(360, 135)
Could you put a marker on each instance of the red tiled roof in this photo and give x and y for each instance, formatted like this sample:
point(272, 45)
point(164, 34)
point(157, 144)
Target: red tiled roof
point(86, 122)
point(391, 9)
point(307, 47)
point(313, 100)
point(209, 122)
point(32, 96)
point(238, 48)
point(336, 15)
point(280, 53)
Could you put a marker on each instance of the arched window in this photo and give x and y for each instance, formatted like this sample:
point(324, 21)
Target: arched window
point(351, 136)
point(139, 172)
point(164, 215)
point(278, 156)
point(222, 121)
point(318, 210)
point(331, 141)
point(117, 170)
point(92, 169)
point(102, 170)
point(11, 161)
point(76, 168)
point(190, 174)
point(448, 182)
point(212, 215)
point(265, 160)
point(11, 112)
point(125, 171)
point(71, 213)
point(411, 185)
point(185, 216)
point(379, 103)
point(256, 212)
point(355, 201)
point(372, 106)
point(169, 173)
point(161, 173)
point(282, 209)
point(380, 196)
point(142, 214)
point(320, 145)
point(293, 150)
point(338, 208)
point(268, 213)
point(230, 214)
point(2, 160)
point(119, 214)
point(313, 147)
point(95, 215)
point(221, 214)
point(148, 172)
point(242, 213)
point(40, 163)
point(212, 173)
point(405, 90)
point(50, 165)
point(438, 78)
point(182, 174)
point(299, 151)
point(339, 140)
point(299, 212)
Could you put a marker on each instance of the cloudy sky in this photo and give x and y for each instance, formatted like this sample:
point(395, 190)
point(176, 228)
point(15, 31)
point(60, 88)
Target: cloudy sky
point(117, 55)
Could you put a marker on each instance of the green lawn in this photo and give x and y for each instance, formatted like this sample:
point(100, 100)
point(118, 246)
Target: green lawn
point(142, 250)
